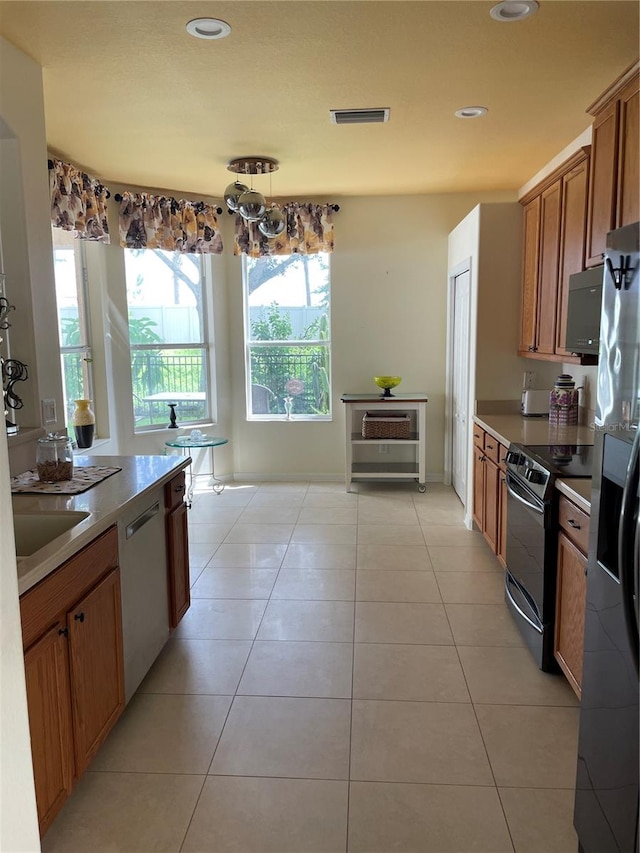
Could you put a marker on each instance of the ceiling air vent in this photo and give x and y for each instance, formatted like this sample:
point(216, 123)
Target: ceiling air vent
point(376, 116)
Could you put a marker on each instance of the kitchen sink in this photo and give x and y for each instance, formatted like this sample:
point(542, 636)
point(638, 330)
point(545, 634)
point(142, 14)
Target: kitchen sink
point(34, 530)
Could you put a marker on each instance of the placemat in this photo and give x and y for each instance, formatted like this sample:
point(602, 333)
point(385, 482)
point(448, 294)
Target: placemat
point(83, 479)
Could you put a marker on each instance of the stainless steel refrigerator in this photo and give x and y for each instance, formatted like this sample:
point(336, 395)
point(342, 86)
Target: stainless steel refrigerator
point(606, 805)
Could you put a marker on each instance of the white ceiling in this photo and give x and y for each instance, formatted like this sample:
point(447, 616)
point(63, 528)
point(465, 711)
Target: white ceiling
point(133, 99)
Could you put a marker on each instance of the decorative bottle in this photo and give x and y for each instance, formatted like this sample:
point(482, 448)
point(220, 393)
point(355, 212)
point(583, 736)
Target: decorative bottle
point(563, 402)
point(83, 420)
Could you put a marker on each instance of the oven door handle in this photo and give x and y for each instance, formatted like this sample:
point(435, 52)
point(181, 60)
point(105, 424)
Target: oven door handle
point(514, 491)
point(509, 579)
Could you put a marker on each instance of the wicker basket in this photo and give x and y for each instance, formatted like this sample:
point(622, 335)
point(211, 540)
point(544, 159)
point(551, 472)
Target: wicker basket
point(386, 426)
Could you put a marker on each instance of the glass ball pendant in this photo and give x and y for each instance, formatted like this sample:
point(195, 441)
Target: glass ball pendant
point(272, 223)
point(233, 193)
point(252, 205)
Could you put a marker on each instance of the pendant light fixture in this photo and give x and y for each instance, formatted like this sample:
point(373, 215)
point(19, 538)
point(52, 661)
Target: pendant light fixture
point(247, 201)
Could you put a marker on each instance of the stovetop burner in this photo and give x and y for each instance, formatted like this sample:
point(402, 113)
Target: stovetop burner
point(563, 460)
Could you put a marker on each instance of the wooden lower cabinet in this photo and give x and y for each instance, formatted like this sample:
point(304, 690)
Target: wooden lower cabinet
point(46, 666)
point(177, 550)
point(501, 553)
point(489, 505)
point(97, 687)
point(570, 609)
point(73, 666)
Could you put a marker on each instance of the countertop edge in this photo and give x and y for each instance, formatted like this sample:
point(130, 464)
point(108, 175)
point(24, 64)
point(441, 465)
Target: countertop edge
point(36, 567)
point(569, 489)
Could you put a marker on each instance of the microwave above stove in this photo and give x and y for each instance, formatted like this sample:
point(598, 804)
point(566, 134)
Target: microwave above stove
point(583, 311)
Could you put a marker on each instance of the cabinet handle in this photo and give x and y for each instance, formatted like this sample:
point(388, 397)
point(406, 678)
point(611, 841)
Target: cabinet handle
point(533, 349)
point(483, 458)
point(63, 631)
point(79, 617)
point(490, 446)
point(179, 488)
point(573, 524)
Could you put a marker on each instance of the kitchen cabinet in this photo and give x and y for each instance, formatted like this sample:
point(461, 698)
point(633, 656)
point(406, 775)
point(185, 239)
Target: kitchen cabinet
point(72, 635)
point(177, 549)
point(385, 458)
point(571, 590)
point(614, 195)
point(489, 507)
point(554, 246)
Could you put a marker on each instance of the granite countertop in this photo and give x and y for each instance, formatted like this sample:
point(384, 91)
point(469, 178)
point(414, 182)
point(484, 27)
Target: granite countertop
point(104, 503)
point(508, 428)
point(531, 431)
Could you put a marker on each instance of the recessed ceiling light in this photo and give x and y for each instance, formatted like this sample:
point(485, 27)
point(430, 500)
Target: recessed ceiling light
point(208, 28)
point(514, 10)
point(471, 112)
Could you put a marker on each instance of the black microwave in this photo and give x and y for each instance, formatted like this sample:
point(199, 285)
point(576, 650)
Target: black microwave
point(583, 311)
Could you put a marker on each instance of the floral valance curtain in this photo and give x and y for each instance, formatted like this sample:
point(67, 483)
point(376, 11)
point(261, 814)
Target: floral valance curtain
point(309, 229)
point(162, 222)
point(78, 202)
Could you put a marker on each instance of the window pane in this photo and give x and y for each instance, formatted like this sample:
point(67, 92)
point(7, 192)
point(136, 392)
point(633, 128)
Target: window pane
point(287, 311)
point(295, 372)
point(161, 377)
point(288, 297)
point(164, 294)
point(75, 380)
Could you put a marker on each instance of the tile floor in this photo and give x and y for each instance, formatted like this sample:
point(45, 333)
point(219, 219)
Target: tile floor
point(347, 679)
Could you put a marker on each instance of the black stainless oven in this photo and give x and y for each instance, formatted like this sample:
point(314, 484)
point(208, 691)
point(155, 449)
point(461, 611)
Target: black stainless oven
point(532, 538)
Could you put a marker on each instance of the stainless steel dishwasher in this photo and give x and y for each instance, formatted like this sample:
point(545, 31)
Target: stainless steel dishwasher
point(143, 573)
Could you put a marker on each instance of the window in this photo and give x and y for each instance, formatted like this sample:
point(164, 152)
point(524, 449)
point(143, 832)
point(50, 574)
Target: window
point(287, 334)
point(73, 319)
point(167, 335)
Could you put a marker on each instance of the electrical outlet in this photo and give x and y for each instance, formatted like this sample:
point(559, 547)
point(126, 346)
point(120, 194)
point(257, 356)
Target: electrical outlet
point(529, 379)
point(383, 448)
point(48, 407)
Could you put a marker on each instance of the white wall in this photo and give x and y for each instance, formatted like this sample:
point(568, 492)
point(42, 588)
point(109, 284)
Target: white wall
point(20, 93)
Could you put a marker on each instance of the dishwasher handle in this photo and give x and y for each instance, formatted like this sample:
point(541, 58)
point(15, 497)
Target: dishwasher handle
point(142, 519)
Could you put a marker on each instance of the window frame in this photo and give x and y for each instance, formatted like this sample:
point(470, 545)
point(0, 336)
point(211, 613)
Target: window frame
point(204, 346)
point(85, 350)
point(249, 345)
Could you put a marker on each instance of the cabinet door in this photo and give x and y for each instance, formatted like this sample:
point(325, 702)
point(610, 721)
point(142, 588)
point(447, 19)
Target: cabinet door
point(574, 213)
point(178, 564)
point(478, 486)
point(530, 275)
point(491, 500)
point(47, 675)
point(501, 552)
point(603, 179)
point(97, 680)
point(629, 156)
point(570, 608)
point(549, 265)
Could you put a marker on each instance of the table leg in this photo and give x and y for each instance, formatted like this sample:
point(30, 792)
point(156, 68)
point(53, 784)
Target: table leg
point(218, 485)
point(189, 500)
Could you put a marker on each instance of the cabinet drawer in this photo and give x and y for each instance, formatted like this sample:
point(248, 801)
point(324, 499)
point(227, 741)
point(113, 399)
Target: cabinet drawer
point(502, 454)
point(575, 523)
point(59, 591)
point(491, 447)
point(174, 491)
point(478, 436)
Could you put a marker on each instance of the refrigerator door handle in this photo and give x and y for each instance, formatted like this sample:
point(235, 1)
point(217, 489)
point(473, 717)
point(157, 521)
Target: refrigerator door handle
point(628, 546)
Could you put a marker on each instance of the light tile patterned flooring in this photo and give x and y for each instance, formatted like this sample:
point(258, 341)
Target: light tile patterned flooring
point(347, 679)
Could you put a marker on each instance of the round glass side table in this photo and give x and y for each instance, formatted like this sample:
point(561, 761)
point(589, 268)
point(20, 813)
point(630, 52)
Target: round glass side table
point(187, 442)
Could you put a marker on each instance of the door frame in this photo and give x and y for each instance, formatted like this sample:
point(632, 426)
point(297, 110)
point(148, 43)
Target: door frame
point(454, 272)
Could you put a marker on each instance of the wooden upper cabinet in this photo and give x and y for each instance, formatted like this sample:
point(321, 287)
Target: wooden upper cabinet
point(614, 179)
point(530, 275)
point(572, 252)
point(550, 221)
point(555, 214)
point(629, 155)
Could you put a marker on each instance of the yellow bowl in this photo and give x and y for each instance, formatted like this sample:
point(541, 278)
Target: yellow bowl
point(387, 382)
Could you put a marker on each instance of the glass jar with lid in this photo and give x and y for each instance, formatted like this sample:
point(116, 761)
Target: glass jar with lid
point(54, 458)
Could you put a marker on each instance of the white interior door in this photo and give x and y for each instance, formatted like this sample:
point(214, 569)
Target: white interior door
point(460, 375)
